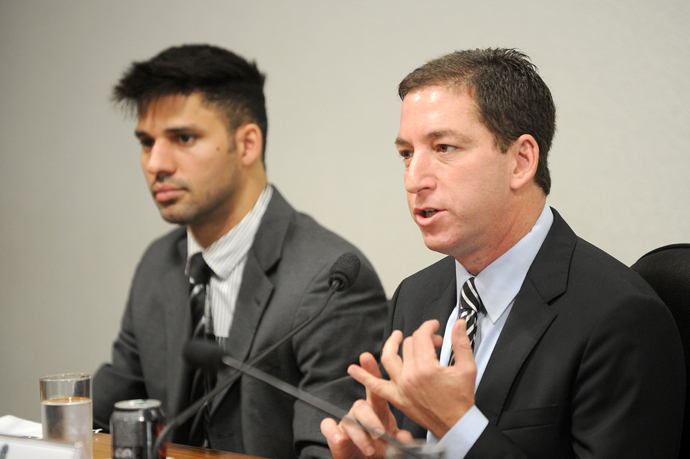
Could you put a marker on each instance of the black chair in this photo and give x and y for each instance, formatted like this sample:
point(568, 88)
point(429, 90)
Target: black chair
point(667, 270)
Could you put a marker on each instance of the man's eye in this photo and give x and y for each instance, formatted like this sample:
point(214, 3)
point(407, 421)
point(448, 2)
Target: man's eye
point(186, 138)
point(446, 148)
point(405, 154)
point(146, 143)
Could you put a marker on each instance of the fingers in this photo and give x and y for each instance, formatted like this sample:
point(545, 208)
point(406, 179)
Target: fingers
point(368, 368)
point(368, 373)
point(421, 349)
point(390, 359)
point(374, 384)
point(368, 362)
point(344, 447)
point(430, 326)
point(330, 430)
point(334, 437)
point(404, 436)
point(363, 413)
point(338, 442)
point(462, 348)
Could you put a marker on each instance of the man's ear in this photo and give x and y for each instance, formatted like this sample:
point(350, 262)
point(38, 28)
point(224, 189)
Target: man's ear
point(249, 143)
point(525, 151)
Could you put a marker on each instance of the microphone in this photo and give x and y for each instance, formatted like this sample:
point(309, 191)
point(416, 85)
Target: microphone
point(341, 276)
point(344, 271)
point(204, 354)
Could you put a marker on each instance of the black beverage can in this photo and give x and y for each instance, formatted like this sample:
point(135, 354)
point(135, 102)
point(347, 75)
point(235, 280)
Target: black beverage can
point(134, 427)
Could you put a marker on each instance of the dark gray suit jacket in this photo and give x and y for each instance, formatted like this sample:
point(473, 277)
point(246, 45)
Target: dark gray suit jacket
point(589, 363)
point(284, 281)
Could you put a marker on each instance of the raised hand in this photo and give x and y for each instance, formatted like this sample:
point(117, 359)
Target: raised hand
point(348, 441)
point(435, 397)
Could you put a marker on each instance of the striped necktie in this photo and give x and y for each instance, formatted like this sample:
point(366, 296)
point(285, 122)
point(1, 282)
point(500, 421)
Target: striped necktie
point(202, 382)
point(199, 276)
point(470, 306)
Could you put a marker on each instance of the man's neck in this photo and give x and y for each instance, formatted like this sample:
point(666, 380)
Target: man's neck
point(519, 225)
point(208, 232)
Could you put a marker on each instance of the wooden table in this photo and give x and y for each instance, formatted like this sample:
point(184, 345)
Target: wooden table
point(102, 450)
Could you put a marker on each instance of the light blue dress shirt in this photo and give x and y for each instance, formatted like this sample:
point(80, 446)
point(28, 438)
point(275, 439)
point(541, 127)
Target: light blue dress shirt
point(497, 285)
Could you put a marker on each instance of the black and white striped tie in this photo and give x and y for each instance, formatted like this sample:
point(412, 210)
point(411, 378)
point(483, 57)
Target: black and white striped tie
point(199, 275)
point(470, 306)
point(203, 381)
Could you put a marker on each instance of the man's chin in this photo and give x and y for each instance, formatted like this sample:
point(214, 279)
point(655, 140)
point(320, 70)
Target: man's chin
point(171, 216)
point(436, 244)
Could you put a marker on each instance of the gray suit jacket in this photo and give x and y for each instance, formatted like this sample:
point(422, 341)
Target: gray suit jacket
point(284, 281)
point(589, 363)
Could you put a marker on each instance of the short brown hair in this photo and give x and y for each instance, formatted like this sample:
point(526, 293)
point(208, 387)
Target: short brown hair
point(511, 97)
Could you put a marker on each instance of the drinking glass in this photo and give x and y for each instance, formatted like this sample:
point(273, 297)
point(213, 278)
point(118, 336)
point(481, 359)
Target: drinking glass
point(66, 409)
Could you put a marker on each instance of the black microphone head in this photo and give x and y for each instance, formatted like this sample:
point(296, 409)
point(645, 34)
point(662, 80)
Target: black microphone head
point(201, 353)
point(344, 271)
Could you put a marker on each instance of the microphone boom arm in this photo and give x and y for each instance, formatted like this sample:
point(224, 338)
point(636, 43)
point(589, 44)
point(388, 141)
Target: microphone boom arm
point(311, 400)
point(221, 386)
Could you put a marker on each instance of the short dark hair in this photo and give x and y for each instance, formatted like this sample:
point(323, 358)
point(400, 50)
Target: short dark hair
point(511, 97)
point(225, 80)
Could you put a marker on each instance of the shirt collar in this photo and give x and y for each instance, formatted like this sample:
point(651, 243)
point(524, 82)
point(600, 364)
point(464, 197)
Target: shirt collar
point(499, 283)
point(224, 254)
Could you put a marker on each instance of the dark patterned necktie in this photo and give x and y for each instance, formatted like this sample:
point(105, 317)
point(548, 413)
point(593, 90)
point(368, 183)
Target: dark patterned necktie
point(470, 306)
point(199, 276)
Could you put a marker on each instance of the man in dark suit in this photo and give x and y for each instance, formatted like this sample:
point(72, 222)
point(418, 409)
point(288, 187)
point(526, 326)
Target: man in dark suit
point(552, 349)
point(202, 127)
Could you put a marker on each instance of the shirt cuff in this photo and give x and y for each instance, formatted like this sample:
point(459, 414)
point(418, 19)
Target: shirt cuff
point(464, 434)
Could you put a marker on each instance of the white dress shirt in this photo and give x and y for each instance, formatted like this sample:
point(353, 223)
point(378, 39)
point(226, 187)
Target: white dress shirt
point(227, 258)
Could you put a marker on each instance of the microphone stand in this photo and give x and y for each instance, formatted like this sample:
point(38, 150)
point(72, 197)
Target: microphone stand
point(313, 401)
point(178, 420)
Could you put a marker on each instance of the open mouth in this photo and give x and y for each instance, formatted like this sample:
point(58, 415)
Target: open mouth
point(427, 213)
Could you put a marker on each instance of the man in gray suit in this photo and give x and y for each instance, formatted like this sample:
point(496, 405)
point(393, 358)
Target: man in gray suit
point(202, 127)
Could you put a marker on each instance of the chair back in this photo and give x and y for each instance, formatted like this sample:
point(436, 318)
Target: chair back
point(667, 270)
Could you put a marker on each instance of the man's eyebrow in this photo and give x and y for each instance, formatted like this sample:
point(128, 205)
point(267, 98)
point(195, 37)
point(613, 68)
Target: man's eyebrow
point(175, 130)
point(447, 133)
point(401, 142)
point(436, 135)
point(181, 129)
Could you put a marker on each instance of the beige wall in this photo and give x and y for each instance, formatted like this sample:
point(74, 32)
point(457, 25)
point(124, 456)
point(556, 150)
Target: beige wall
point(75, 215)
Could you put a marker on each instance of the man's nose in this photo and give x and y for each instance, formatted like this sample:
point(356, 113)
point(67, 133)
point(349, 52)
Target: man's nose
point(419, 173)
point(160, 159)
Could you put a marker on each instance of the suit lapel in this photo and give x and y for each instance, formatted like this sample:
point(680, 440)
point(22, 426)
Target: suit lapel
point(178, 329)
point(435, 302)
point(529, 318)
point(251, 303)
point(256, 288)
point(441, 308)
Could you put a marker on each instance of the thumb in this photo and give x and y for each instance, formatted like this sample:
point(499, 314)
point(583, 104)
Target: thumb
point(462, 348)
